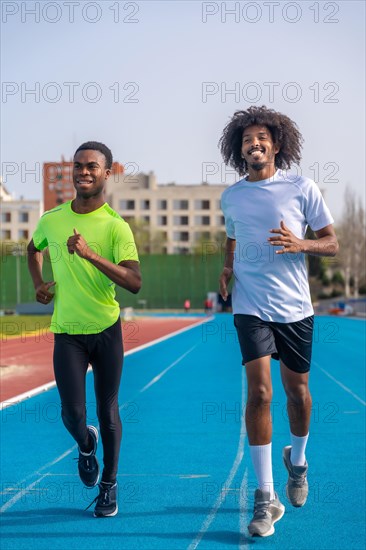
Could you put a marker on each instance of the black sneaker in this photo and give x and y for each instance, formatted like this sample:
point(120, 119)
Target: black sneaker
point(88, 462)
point(106, 502)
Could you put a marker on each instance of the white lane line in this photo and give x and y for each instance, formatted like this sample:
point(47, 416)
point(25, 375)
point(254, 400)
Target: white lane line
point(20, 494)
point(345, 388)
point(16, 497)
point(220, 499)
point(159, 376)
point(167, 336)
point(45, 387)
point(26, 395)
point(242, 511)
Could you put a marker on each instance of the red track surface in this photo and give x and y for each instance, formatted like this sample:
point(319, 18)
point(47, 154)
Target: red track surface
point(26, 362)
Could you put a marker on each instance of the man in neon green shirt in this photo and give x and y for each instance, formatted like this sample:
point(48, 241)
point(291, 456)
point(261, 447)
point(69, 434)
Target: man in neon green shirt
point(92, 249)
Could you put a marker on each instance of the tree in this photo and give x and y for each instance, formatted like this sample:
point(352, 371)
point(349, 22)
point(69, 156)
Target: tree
point(209, 243)
point(147, 241)
point(352, 240)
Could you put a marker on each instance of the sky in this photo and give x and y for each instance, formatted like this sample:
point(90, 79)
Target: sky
point(157, 81)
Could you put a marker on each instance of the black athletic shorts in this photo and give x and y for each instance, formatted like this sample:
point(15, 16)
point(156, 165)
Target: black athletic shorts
point(290, 342)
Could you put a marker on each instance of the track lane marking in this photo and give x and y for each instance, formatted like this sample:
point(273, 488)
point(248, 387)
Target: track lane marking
point(242, 511)
point(237, 461)
point(161, 374)
point(345, 388)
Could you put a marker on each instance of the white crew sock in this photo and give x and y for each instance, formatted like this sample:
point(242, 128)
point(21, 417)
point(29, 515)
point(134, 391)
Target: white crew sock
point(298, 445)
point(262, 464)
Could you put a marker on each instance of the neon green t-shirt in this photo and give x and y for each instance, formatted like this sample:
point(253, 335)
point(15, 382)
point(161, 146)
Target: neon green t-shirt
point(84, 301)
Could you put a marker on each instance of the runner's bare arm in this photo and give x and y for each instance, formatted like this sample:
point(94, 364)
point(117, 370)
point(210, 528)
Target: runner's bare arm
point(35, 263)
point(326, 243)
point(227, 272)
point(126, 274)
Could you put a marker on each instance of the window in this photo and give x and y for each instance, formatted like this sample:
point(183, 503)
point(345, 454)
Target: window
point(23, 217)
point(180, 250)
point(181, 220)
point(202, 220)
point(23, 234)
point(5, 234)
point(220, 220)
point(162, 204)
point(181, 236)
point(5, 217)
point(180, 204)
point(162, 220)
point(202, 204)
point(127, 204)
point(145, 204)
point(146, 219)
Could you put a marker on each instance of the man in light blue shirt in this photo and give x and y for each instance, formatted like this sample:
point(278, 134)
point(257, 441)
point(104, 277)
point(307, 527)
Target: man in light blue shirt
point(266, 215)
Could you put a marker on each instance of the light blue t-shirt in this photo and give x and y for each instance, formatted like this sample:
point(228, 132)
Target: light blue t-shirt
point(272, 286)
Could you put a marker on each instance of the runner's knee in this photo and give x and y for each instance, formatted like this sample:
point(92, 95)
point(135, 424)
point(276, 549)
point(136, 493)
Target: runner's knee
point(298, 394)
point(259, 395)
point(73, 413)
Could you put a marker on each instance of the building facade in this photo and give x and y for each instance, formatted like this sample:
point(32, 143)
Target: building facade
point(19, 217)
point(178, 217)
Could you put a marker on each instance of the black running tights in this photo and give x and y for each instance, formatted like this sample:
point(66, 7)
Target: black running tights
point(104, 351)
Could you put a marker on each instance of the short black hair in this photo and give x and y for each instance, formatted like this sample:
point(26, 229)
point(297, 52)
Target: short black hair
point(97, 146)
point(283, 130)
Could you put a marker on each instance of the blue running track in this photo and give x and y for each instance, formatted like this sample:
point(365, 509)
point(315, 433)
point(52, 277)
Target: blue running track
point(185, 479)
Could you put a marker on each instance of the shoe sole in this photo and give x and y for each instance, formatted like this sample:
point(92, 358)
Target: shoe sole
point(94, 431)
point(114, 513)
point(294, 504)
point(272, 529)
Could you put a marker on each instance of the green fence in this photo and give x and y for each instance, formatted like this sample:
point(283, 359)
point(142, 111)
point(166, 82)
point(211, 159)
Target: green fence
point(167, 280)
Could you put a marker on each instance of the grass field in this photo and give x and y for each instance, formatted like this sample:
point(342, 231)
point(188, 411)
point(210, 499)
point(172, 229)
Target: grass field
point(18, 325)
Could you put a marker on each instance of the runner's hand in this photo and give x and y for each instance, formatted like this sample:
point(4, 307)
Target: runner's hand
point(77, 243)
point(42, 294)
point(224, 282)
point(286, 239)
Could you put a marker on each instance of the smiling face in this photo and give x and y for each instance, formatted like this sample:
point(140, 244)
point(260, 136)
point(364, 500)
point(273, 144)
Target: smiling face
point(259, 152)
point(90, 173)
